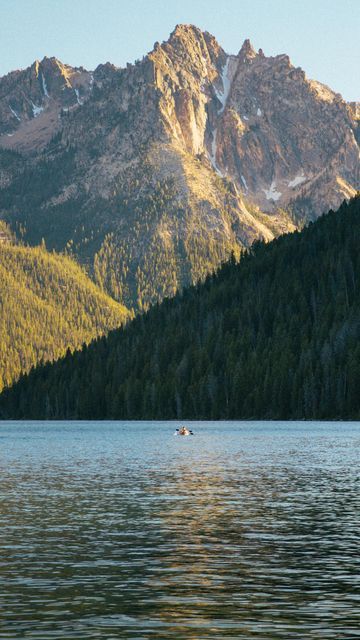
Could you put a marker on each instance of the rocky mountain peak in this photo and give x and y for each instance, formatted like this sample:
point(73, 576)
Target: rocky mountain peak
point(189, 151)
point(187, 73)
point(185, 31)
point(188, 45)
point(33, 101)
point(247, 51)
point(188, 35)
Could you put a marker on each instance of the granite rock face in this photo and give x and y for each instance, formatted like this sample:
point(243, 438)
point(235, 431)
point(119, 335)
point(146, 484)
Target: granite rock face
point(33, 102)
point(279, 137)
point(179, 159)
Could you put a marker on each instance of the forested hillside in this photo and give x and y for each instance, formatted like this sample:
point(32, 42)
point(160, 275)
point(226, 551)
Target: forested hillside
point(47, 304)
point(275, 336)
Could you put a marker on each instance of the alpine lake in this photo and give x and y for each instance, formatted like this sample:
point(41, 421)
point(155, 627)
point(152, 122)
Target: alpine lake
point(121, 530)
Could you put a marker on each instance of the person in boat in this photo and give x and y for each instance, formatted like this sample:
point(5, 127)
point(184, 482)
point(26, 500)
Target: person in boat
point(183, 431)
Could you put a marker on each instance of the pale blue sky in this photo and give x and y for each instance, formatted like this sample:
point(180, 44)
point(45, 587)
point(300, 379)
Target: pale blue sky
point(321, 36)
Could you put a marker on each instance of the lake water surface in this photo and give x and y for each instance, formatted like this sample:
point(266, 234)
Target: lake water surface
point(120, 530)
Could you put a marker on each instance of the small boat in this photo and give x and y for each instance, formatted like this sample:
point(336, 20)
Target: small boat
point(183, 431)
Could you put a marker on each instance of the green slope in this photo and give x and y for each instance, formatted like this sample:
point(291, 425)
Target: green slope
point(47, 304)
point(275, 336)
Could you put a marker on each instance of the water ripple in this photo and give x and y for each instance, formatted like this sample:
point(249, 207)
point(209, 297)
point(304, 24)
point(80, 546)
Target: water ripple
point(115, 530)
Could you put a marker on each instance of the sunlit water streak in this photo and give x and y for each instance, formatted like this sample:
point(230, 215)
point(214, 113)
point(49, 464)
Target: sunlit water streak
point(120, 530)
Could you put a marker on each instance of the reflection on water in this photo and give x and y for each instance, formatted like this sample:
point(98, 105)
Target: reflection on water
point(112, 530)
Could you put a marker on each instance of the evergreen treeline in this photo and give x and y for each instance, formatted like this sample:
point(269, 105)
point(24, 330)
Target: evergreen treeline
point(47, 304)
point(274, 336)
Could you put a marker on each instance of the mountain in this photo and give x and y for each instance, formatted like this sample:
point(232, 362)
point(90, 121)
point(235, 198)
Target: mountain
point(33, 101)
point(275, 336)
point(48, 305)
point(154, 173)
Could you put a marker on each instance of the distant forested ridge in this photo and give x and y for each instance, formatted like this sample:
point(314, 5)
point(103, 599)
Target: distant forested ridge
point(47, 305)
point(275, 336)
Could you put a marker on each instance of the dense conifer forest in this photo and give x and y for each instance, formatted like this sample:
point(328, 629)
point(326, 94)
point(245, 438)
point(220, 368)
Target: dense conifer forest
point(47, 305)
point(275, 336)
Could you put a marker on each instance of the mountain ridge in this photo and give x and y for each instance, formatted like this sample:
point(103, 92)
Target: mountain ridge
point(155, 172)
